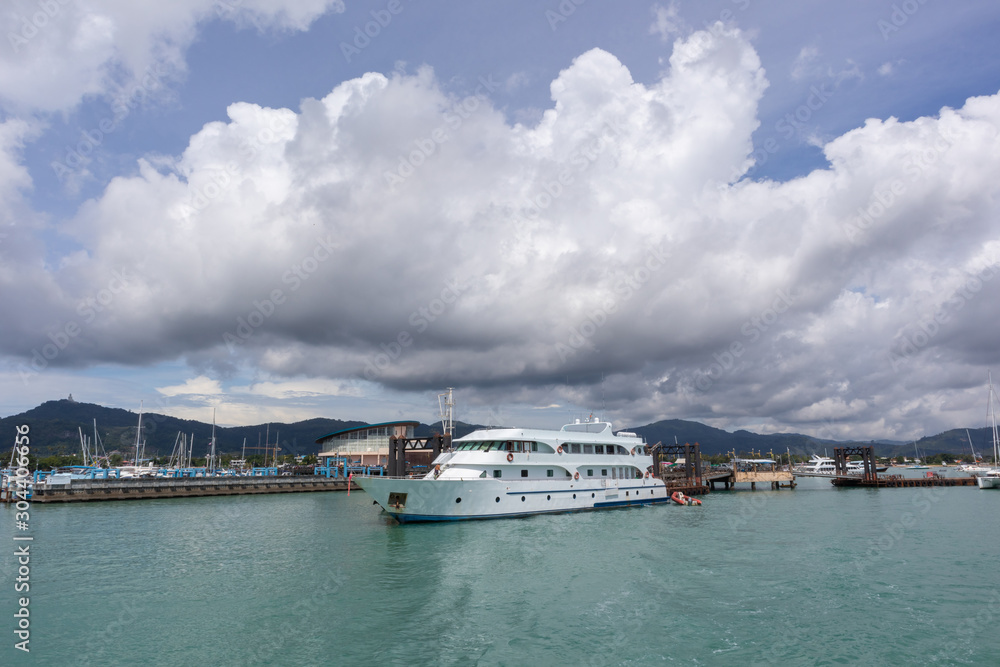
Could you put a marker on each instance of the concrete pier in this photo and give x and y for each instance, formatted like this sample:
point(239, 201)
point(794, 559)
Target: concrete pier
point(154, 487)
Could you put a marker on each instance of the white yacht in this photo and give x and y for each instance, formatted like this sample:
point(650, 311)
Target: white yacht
point(511, 472)
point(820, 464)
point(858, 468)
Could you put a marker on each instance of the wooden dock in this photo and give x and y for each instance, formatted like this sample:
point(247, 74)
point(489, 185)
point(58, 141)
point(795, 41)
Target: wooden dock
point(160, 487)
point(900, 482)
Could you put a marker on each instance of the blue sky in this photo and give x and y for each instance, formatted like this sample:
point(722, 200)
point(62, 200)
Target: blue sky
point(263, 149)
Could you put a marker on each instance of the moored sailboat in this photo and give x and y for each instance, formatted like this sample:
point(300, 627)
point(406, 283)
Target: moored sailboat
point(991, 480)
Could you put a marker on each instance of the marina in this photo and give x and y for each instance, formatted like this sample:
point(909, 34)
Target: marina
point(258, 573)
point(549, 471)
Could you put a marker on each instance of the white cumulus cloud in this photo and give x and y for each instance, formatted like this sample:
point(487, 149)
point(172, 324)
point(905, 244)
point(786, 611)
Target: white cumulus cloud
point(394, 234)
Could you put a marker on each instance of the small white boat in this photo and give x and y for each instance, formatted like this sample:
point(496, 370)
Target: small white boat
point(975, 470)
point(990, 480)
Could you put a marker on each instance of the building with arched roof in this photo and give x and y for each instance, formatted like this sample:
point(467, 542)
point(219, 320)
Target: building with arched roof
point(367, 445)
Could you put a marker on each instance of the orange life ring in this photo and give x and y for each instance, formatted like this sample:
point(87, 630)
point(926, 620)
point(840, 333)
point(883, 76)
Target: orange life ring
point(576, 475)
point(510, 456)
point(559, 449)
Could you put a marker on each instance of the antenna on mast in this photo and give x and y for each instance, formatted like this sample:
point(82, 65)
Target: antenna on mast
point(138, 436)
point(446, 405)
point(604, 404)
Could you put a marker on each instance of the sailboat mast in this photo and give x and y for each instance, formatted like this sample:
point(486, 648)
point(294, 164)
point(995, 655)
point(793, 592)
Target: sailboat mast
point(993, 421)
point(83, 444)
point(138, 435)
point(212, 455)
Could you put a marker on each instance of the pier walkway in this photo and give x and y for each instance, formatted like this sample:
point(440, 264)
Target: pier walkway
point(158, 487)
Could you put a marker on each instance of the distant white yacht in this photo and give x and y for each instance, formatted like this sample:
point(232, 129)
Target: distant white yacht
point(858, 468)
point(511, 472)
point(821, 465)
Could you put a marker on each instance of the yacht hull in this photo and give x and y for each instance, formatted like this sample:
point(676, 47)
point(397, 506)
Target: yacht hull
point(988, 482)
point(423, 499)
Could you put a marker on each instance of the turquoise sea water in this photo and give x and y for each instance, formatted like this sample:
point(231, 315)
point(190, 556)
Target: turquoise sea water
point(817, 575)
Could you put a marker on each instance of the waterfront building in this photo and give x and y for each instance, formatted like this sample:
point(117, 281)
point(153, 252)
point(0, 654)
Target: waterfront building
point(366, 445)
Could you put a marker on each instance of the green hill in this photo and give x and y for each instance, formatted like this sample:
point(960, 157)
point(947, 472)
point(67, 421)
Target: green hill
point(717, 441)
point(55, 431)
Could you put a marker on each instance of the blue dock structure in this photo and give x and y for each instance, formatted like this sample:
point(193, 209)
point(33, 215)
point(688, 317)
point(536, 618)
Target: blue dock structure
point(335, 467)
